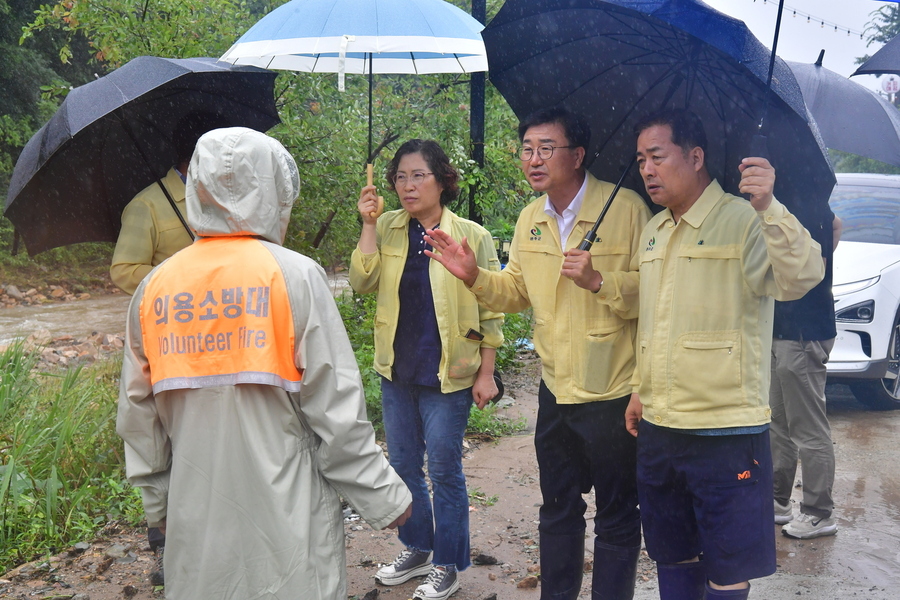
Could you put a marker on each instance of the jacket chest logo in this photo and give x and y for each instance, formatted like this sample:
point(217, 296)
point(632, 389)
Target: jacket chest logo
point(535, 234)
point(650, 245)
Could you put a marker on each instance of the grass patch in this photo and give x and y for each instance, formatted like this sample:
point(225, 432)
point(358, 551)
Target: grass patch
point(62, 472)
point(491, 423)
point(477, 497)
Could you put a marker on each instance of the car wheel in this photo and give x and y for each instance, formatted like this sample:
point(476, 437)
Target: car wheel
point(884, 393)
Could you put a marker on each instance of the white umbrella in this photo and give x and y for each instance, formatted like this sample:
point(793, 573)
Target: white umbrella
point(364, 37)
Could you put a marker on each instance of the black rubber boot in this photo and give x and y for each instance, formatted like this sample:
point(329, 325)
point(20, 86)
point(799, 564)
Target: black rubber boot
point(712, 594)
point(681, 581)
point(562, 565)
point(615, 568)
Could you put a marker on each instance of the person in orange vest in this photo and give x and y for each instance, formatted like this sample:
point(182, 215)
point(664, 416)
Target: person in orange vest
point(241, 404)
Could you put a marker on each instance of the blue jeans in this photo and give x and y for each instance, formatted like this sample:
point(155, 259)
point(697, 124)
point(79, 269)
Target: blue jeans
point(419, 418)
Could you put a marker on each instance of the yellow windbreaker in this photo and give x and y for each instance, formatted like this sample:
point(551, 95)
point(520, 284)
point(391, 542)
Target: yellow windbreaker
point(708, 285)
point(585, 340)
point(455, 307)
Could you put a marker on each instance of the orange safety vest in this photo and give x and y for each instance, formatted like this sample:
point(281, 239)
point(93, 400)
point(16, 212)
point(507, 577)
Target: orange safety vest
point(218, 313)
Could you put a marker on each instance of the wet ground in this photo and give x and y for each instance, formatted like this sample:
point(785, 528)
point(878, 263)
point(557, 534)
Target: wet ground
point(862, 561)
point(866, 549)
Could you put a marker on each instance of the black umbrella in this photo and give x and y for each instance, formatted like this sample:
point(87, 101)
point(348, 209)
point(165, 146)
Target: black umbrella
point(113, 137)
point(885, 61)
point(850, 117)
point(615, 62)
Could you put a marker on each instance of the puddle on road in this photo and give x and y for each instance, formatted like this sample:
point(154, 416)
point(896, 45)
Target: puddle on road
point(78, 318)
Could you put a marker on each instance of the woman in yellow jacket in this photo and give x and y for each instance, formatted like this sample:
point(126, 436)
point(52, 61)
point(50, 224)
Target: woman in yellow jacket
point(435, 349)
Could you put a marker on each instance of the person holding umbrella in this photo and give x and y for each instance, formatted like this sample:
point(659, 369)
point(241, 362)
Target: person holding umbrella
point(435, 350)
point(711, 266)
point(585, 305)
point(153, 227)
point(241, 405)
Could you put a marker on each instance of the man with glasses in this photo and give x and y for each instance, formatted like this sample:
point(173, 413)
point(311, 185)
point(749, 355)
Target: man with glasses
point(585, 305)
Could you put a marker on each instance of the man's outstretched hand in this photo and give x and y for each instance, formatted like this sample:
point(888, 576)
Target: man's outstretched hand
point(457, 257)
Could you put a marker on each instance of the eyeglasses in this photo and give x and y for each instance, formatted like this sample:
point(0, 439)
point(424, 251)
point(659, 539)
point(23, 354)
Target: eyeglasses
point(416, 179)
point(543, 152)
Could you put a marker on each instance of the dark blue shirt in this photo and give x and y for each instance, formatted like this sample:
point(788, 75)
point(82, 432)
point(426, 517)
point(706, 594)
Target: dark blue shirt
point(811, 318)
point(417, 343)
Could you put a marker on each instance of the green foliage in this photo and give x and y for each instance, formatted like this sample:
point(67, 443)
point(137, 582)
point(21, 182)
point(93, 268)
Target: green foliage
point(516, 327)
point(62, 468)
point(358, 314)
point(853, 163)
point(24, 70)
point(119, 30)
point(492, 423)
point(476, 496)
point(884, 26)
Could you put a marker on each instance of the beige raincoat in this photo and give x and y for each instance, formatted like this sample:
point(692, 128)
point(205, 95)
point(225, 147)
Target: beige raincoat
point(245, 475)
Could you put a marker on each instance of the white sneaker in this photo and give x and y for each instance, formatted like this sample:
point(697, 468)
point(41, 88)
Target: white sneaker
point(441, 583)
point(409, 564)
point(807, 526)
point(784, 513)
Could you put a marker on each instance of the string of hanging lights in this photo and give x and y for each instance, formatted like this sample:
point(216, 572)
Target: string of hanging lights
point(814, 20)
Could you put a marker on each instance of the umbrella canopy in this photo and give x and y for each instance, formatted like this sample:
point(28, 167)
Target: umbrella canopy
point(113, 137)
point(850, 117)
point(337, 36)
point(364, 37)
point(616, 61)
point(885, 61)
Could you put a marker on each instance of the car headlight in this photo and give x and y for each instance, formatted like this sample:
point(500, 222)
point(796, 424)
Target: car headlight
point(858, 313)
point(855, 286)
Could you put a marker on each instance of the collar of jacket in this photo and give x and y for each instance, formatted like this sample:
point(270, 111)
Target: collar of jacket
point(696, 214)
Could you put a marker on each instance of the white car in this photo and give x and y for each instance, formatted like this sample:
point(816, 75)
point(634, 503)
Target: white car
point(866, 288)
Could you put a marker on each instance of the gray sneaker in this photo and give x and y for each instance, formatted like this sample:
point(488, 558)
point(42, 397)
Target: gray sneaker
point(807, 526)
point(441, 583)
point(784, 513)
point(409, 564)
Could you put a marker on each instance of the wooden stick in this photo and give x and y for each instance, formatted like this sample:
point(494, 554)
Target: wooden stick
point(370, 168)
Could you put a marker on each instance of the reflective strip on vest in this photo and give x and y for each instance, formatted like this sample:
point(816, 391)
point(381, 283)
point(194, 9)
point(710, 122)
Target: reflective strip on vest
point(217, 313)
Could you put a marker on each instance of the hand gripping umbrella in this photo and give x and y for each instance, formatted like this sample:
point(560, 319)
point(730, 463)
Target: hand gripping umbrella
point(364, 37)
point(851, 118)
point(616, 61)
point(112, 137)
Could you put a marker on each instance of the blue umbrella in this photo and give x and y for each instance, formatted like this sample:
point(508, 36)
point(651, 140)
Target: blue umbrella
point(616, 61)
point(364, 37)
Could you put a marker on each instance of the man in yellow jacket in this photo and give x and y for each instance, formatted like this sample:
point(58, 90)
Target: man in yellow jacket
point(585, 304)
point(711, 266)
point(152, 230)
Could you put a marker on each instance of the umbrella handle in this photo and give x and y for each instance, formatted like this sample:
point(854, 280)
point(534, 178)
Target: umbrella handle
point(369, 180)
point(591, 236)
point(759, 146)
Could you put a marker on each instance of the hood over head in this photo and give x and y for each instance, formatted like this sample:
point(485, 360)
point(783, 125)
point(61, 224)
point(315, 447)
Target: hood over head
point(241, 182)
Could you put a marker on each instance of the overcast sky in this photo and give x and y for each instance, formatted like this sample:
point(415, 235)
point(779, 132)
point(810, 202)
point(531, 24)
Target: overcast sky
point(800, 40)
